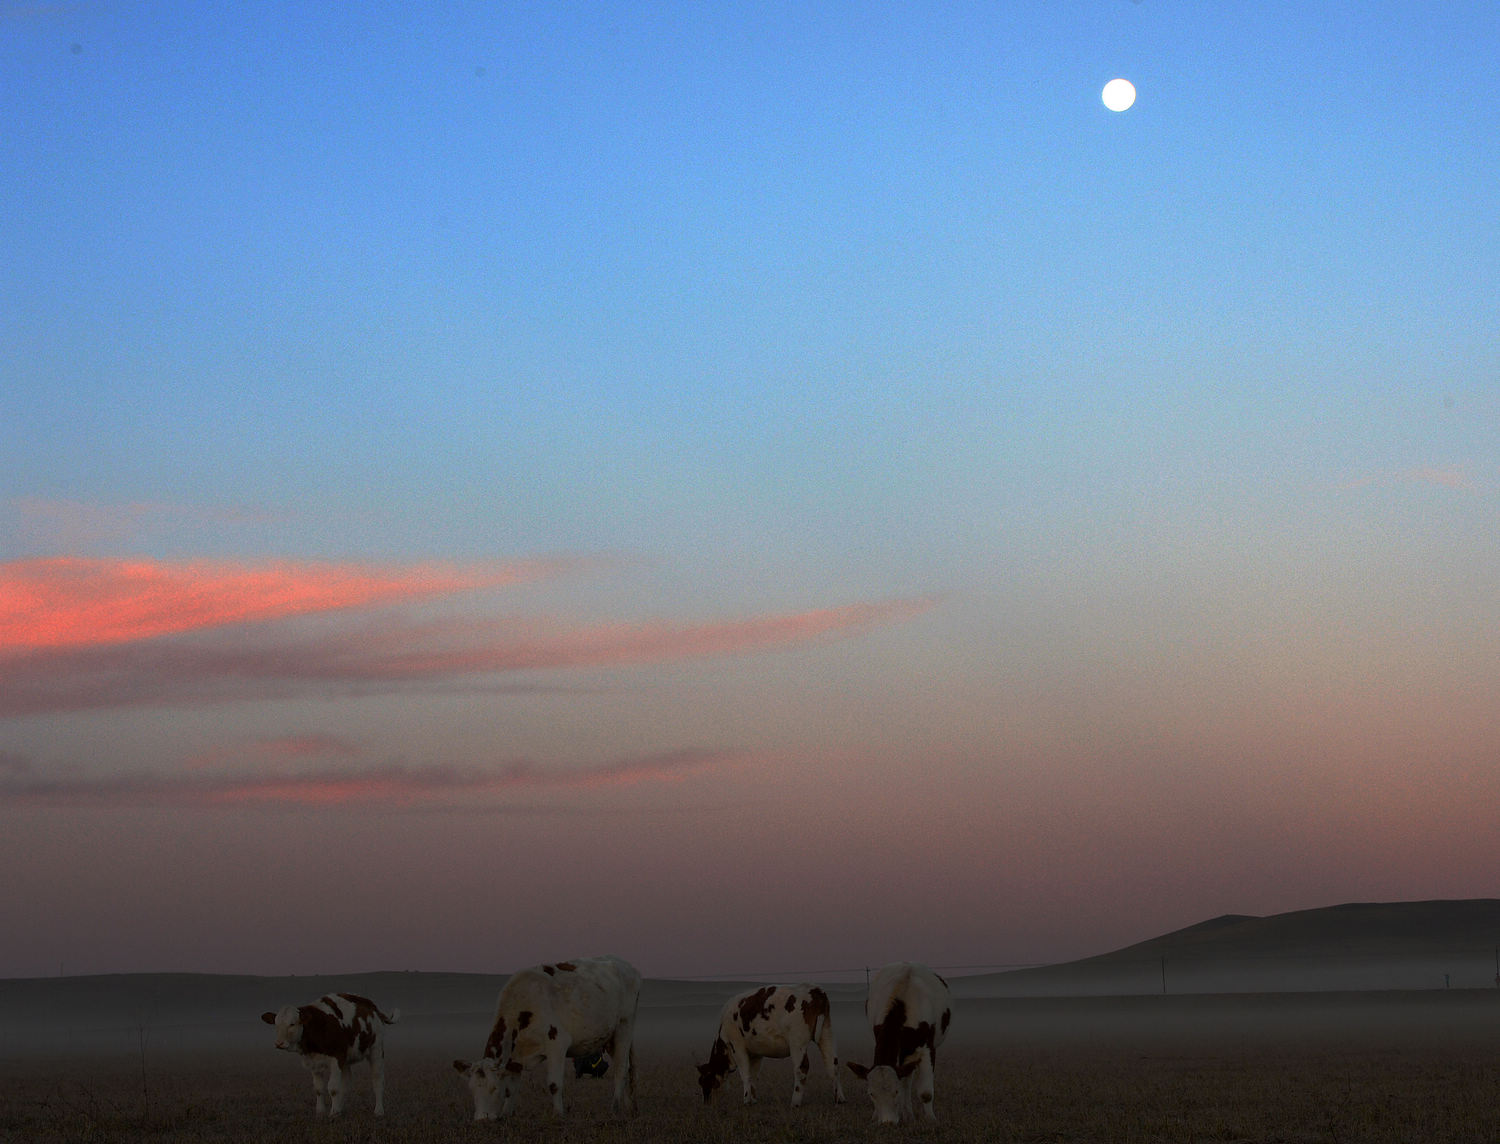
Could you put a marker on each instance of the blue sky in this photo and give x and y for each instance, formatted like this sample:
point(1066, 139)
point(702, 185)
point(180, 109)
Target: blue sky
point(888, 415)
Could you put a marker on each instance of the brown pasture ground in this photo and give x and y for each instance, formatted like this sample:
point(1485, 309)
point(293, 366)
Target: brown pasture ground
point(1287, 1068)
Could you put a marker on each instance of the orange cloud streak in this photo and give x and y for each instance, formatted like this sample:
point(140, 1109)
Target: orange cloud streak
point(68, 602)
point(391, 655)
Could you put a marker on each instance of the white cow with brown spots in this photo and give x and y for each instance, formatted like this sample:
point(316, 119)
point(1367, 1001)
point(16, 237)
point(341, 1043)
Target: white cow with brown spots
point(331, 1035)
point(772, 1021)
point(909, 1008)
point(550, 1013)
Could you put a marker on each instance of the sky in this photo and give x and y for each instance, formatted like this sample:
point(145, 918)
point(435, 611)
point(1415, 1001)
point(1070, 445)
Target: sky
point(757, 489)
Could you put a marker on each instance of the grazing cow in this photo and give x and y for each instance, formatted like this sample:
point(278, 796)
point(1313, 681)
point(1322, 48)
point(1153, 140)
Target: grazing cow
point(332, 1035)
point(772, 1021)
point(550, 1013)
point(909, 1008)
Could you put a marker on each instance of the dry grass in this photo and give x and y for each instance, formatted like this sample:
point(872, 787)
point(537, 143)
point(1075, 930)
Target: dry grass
point(1065, 1093)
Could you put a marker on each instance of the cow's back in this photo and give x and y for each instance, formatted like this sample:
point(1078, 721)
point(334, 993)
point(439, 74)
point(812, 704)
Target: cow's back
point(586, 997)
point(908, 1005)
point(756, 1019)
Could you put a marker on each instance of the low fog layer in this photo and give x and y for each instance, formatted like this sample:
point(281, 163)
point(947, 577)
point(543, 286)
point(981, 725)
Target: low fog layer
point(165, 1016)
point(1376, 967)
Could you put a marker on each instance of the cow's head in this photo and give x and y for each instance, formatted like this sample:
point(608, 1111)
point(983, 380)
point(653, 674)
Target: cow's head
point(492, 1086)
point(288, 1024)
point(711, 1075)
point(709, 1079)
point(884, 1086)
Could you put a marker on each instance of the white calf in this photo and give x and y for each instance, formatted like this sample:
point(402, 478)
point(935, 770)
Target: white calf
point(550, 1013)
point(331, 1035)
point(909, 1008)
point(773, 1021)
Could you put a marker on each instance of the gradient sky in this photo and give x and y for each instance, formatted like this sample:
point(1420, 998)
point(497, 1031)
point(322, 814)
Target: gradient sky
point(752, 488)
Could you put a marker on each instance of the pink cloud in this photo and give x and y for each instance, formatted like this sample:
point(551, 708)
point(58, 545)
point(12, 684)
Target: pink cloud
point(67, 602)
point(392, 655)
point(389, 787)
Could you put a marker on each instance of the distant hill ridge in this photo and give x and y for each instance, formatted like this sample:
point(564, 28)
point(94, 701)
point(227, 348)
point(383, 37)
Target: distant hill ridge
point(1450, 934)
point(1373, 928)
point(1351, 947)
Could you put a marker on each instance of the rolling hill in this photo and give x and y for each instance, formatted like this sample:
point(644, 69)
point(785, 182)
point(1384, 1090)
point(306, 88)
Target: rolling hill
point(1355, 946)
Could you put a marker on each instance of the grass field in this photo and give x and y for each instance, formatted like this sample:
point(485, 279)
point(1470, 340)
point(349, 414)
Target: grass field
point(1387, 1069)
point(1075, 1096)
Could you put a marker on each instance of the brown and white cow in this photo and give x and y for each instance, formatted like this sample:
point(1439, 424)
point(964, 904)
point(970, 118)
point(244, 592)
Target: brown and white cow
point(332, 1035)
point(909, 1008)
point(772, 1021)
point(553, 1012)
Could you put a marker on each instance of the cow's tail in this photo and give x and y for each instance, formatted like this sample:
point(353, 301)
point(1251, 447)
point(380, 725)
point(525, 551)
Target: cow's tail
point(395, 1015)
point(818, 1026)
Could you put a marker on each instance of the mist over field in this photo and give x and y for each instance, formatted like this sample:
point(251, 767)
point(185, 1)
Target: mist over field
point(1390, 961)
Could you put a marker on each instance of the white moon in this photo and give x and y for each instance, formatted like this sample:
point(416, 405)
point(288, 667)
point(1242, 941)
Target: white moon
point(1118, 94)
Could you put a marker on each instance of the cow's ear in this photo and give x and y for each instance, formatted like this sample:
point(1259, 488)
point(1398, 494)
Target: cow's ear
point(857, 1069)
point(905, 1070)
point(268, 1018)
point(461, 1066)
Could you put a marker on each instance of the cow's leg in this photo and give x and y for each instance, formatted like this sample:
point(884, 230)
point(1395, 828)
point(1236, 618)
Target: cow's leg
point(338, 1082)
point(557, 1061)
point(799, 1074)
point(797, 1051)
point(739, 1062)
point(922, 1081)
point(752, 1071)
point(622, 1064)
point(626, 1102)
point(831, 1060)
point(509, 1084)
point(319, 1070)
point(377, 1076)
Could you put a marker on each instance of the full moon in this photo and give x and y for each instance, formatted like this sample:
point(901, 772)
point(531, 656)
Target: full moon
point(1118, 94)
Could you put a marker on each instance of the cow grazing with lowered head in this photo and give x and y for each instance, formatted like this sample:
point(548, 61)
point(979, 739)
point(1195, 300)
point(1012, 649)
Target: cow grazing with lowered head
point(909, 1008)
point(548, 1014)
point(772, 1021)
point(332, 1035)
